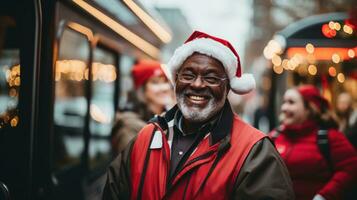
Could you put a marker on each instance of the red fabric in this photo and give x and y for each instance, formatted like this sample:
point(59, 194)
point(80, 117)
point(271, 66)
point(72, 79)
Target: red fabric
point(144, 70)
point(308, 168)
point(198, 34)
point(218, 185)
point(311, 94)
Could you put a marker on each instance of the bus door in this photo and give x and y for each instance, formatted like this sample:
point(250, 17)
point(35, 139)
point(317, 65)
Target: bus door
point(19, 57)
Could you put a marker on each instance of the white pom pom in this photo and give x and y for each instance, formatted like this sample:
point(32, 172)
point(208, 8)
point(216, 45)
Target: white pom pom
point(243, 84)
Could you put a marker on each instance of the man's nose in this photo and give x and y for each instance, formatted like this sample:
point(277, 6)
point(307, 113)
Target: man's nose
point(198, 82)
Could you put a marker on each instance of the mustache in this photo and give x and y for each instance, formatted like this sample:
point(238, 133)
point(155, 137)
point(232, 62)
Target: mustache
point(205, 92)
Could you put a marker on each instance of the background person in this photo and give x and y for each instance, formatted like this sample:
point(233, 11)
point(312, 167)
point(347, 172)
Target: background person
point(153, 96)
point(153, 90)
point(347, 117)
point(315, 175)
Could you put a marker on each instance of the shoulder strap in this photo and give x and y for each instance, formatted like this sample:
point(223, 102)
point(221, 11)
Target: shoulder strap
point(146, 163)
point(324, 147)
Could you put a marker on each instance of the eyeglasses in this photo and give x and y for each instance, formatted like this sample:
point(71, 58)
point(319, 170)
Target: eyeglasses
point(207, 80)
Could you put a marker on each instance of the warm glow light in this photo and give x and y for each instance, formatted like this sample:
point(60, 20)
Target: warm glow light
point(98, 115)
point(120, 29)
point(14, 121)
point(149, 21)
point(267, 53)
point(104, 72)
point(310, 58)
point(275, 46)
point(298, 58)
point(337, 26)
point(310, 48)
point(278, 69)
point(82, 29)
point(332, 71)
point(351, 53)
point(312, 69)
point(78, 71)
point(291, 65)
point(70, 69)
point(17, 81)
point(276, 60)
point(327, 31)
point(302, 70)
point(341, 77)
point(13, 77)
point(12, 92)
point(335, 58)
point(321, 53)
point(347, 29)
point(331, 24)
point(284, 64)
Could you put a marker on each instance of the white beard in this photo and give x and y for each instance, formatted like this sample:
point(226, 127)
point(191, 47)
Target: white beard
point(196, 114)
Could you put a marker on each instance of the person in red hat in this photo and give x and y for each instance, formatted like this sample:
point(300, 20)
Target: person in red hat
point(200, 149)
point(154, 95)
point(153, 89)
point(321, 161)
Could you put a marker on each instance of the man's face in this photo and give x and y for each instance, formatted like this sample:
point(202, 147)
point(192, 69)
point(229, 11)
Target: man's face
point(199, 101)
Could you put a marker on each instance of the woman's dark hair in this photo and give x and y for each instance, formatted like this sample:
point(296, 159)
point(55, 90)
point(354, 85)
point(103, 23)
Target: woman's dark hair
point(324, 116)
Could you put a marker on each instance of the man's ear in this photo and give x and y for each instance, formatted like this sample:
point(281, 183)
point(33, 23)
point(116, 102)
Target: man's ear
point(228, 88)
point(175, 78)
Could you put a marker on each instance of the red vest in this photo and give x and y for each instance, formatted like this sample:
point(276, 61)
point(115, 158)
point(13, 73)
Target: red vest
point(193, 181)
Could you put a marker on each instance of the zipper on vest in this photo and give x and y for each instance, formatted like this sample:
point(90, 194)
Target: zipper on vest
point(203, 156)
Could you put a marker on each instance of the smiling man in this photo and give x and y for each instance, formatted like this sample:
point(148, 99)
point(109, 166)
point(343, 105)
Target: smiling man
point(200, 149)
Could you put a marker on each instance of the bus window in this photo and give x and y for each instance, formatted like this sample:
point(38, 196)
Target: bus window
point(126, 82)
point(102, 108)
point(9, 75)
point(70, 105)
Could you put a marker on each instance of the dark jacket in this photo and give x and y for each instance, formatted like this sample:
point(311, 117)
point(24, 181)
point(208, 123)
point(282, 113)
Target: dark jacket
point(242, 165)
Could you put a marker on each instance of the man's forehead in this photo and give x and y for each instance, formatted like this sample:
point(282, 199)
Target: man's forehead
point(197, 57)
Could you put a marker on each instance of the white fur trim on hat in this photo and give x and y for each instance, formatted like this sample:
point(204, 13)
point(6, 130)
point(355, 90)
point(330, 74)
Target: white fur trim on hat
point(217, 50)
point(243, 84)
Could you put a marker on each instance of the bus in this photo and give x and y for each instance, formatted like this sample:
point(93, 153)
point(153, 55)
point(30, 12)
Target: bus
point(64, 72)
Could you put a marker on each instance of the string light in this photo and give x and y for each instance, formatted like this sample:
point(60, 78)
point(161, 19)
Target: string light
point(310, 48)
point(336, 58)
point(332, 71)
point(276, 60)
point(284, 64)
point(341, 77)
point(331, 25)
point(327, 31)
point(351, 53)
point(347, 29)
point(337, 26)
point(278, 69)
point(312, 69)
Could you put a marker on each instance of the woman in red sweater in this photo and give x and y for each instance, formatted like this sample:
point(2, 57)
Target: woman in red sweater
point(304, 113)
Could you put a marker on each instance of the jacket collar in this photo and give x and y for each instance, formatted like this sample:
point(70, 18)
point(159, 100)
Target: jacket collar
point(221, 130)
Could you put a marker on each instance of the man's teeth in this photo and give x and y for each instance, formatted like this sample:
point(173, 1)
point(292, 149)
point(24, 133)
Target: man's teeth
point(198, 98)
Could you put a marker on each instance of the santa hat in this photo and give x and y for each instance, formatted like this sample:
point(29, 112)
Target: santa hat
point(144, 70)
point(311, 94)
point(219, 49)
